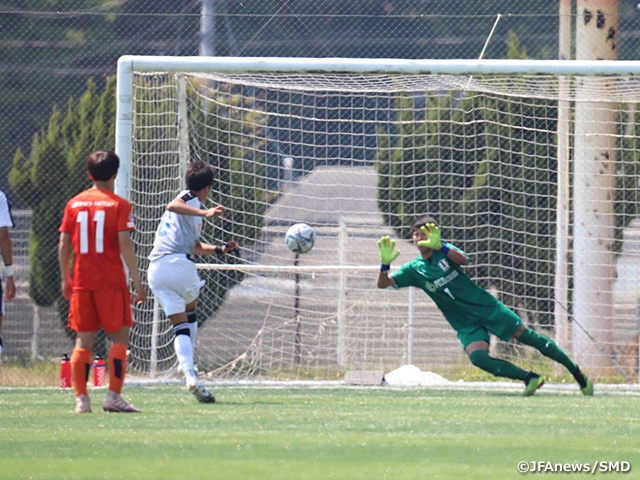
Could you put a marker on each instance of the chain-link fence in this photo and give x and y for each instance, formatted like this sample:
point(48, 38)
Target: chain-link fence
point(51, 50)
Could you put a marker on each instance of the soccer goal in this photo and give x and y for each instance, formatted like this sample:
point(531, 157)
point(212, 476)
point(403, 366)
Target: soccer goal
point(531, 167)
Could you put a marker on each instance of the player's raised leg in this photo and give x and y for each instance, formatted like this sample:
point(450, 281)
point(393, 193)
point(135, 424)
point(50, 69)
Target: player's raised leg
point(549, 349)
point(175, 283)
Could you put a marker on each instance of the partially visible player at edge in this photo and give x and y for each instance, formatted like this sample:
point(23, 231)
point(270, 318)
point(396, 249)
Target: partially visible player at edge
point(96, 226)
point(173, 276)
point(6, 247)
point(472, 311)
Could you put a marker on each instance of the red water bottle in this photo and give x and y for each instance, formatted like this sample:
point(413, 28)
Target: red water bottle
point(65, 372)
point(99, 372)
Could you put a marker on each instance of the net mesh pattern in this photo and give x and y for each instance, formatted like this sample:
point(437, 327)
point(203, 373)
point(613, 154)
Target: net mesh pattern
point(358, 157)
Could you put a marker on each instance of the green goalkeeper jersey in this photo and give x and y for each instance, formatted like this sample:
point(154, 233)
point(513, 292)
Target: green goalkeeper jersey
point(460, 299)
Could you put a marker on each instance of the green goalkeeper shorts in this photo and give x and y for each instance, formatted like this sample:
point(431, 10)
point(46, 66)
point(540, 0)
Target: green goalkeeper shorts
point(503, 323)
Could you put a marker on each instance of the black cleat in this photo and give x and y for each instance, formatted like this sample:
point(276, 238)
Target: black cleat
point(586, 387)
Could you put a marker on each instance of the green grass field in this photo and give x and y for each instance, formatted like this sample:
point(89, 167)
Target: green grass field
point(304, 432)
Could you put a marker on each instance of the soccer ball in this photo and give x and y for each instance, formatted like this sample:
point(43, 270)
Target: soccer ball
point(300, 238)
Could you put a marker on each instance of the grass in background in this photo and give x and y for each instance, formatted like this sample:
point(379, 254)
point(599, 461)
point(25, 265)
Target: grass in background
point(24, 372)
point(312, 433)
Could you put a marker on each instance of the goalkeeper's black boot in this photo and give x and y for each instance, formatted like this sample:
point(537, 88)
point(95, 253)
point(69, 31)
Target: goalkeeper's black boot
point(586, 387)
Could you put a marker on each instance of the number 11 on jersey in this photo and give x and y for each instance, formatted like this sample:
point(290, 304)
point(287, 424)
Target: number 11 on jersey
point(83, 220)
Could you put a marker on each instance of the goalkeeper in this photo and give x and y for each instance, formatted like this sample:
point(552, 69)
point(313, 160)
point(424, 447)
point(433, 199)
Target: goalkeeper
point(472, 311)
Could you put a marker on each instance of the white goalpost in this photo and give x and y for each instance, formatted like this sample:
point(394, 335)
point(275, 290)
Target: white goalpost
point(358, 148)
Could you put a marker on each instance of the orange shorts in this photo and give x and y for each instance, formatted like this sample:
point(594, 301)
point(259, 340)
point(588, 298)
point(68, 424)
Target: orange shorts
point(91, 309)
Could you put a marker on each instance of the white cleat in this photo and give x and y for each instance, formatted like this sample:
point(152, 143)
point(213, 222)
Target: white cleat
point(202, 394)
point(115, 403)
point(83, 404)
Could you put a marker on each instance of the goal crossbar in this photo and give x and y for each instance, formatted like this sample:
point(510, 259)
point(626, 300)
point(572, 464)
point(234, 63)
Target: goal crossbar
point(287, 268)
point(131, 63)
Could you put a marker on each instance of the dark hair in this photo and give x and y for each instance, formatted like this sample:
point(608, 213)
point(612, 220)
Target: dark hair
point(103, 165)
point(420, 221)
point(199, 175)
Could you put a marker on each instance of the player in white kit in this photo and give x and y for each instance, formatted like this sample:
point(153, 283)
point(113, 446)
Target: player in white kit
point(172, 275)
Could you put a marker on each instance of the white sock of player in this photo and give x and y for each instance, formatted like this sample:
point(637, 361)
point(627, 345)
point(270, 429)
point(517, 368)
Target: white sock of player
point(184, 351)
point(192, 321)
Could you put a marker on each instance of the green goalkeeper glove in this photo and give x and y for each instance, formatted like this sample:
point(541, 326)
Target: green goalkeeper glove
point(388, 252)
point(432, 232)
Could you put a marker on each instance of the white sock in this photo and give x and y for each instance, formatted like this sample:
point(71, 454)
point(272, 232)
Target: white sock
point(193, 332)
point(184, 351)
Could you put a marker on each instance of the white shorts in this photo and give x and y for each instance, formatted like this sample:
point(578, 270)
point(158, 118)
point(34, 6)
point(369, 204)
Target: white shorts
point(174, 281)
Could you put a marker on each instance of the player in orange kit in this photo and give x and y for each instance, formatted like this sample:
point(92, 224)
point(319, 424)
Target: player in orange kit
point(96, 226)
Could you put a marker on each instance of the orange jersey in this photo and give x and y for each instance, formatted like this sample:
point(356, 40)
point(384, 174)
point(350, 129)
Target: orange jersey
point(93, 219)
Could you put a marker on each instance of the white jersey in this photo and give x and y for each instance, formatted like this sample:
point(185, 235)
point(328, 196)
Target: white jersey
point(177, 233)
point(6, 220)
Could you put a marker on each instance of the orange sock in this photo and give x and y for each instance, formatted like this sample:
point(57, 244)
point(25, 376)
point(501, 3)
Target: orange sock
point(117, 366)
point(80, 368)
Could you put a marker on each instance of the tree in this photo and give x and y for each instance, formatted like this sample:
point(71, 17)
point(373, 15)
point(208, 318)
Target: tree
point(39, 181)
point(45, 55)
point(53, 173)
point(514, 50)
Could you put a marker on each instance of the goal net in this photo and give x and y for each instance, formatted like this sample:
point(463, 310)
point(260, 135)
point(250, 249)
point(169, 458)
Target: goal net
point(534, 176)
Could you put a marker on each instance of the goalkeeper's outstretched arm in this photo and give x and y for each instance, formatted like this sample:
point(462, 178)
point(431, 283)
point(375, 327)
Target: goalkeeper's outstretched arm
point(385, 280)
point(388, 254)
